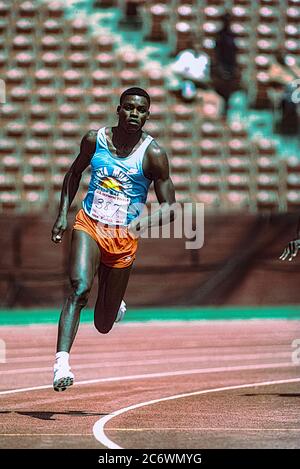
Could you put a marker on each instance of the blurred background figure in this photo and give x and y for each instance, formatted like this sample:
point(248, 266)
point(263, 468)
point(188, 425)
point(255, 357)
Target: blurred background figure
point(283, 74)
point(225, 70)
point(190, 69)
point(131, 17)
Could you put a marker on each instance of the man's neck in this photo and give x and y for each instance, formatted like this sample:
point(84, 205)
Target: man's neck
point(121, 137)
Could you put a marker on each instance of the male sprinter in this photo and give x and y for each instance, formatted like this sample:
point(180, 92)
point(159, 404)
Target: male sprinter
point(124, 161)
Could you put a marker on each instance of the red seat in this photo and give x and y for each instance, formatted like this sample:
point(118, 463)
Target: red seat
point(46, 94)
point(79, 26)
point(55, 9)
point(28, 9)
point(21, 42)
point(52, 59)
point(72, 77)
point(68, 111)
point(39, 111)
point(15, 76)
point(34, 147)
point(25, 59)
point(25, 26)
point(53, 27)
point(15, 129)
point(44, 76)
point(78, 43)
point(102, 77)
point(50, 43)
point(41, 129)
point(19, 94)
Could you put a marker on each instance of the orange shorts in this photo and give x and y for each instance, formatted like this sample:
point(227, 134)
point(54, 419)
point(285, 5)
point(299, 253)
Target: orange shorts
point(116, 244)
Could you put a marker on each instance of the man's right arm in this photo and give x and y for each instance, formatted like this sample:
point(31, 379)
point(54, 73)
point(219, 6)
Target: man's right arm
point(71, 183)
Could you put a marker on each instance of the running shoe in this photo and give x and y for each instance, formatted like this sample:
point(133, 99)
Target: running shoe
point(63, 377)
point(121, 312)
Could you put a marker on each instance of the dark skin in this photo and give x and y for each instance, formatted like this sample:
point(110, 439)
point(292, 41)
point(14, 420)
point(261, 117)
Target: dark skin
point(85, 257)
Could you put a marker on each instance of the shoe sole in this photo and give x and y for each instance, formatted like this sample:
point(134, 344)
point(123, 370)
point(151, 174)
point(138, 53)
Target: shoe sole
point(62, 384)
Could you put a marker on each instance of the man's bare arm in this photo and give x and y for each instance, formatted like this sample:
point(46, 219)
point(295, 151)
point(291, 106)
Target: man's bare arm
point(157, 169)
point(71, 183)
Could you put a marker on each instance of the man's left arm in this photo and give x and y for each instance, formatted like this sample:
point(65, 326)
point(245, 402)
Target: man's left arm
point(157, 169)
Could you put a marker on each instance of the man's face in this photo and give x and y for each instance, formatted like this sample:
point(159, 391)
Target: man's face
point(133, 113)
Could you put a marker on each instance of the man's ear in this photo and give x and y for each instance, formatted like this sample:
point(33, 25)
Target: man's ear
point(148, 115)
point(118, 109)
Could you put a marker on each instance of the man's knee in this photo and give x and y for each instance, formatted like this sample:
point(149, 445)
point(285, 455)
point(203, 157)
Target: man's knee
point(81, 290)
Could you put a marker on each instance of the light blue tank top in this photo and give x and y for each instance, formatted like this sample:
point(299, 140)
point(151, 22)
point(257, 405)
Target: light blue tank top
point(118, 187)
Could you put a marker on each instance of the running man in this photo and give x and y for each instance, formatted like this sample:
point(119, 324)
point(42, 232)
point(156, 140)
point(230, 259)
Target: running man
point(124, 161)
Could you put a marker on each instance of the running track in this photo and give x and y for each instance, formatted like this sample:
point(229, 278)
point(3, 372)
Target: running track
point(169, 385)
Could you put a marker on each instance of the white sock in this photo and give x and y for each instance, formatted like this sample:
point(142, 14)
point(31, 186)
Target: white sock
point(62, 358)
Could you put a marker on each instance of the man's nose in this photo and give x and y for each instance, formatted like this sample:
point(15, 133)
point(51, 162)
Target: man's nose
point(134, 112)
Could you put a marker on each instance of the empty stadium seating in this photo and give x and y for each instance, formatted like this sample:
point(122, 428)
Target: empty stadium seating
point(62, 80)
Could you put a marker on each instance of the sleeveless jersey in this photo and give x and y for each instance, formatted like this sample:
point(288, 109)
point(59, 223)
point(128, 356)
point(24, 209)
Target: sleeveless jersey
point(118, 187)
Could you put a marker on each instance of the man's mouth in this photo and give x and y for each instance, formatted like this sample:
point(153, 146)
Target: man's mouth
point(133, 121)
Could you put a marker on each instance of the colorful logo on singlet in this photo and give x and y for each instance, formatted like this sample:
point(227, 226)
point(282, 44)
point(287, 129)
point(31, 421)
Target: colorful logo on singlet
point(111, 183)
point(117, 181)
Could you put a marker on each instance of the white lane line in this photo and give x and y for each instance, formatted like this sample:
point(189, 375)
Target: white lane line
point(98, 428)
point(162, 375)
point(186, 359)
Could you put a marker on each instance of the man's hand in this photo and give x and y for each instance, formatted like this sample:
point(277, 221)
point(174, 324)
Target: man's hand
point(59, 228)
point(136, 227)
point(291, 250)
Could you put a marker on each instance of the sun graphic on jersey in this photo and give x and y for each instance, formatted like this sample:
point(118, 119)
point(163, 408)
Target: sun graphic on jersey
point(111, 183)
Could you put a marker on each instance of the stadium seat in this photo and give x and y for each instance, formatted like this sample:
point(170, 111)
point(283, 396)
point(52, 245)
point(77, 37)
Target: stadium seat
point(15, 129)
point(44, 76)
point(25, 59)
point(38, 111)
point(68, 111)
point(46, 94)
point(41, 129)
point(51, 43)
point(51, 59)
point(5, 8)
point(51, 26)
point(19, 94)
point(55, 9)
point(236, 200)
point(34, 147)
point(104, 43)
point(72, 77)
point(78, 43)
point(158, 14)
point(209, 165)
point(102, 77)
point(79, 25)
point(9, 112)
point(28, 9)
point(21, 42)
point(25, 26)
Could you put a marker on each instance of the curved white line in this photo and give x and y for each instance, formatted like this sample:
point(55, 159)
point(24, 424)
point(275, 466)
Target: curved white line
point(98, 428)
point(221, 369)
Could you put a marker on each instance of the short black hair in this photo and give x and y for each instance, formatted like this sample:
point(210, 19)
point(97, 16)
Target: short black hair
point(135, 91)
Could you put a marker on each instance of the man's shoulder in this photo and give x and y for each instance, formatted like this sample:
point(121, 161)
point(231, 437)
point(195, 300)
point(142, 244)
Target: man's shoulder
point(90, 136)
point(155, 150)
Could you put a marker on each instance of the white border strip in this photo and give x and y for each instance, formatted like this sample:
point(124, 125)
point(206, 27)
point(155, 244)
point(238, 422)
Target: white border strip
point(194, 371)
point(98, 428)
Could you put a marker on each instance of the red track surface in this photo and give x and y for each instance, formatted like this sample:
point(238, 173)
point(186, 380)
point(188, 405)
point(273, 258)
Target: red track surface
point(137, 363)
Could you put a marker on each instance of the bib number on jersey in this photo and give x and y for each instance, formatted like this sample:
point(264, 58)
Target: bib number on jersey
point(110, 208)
